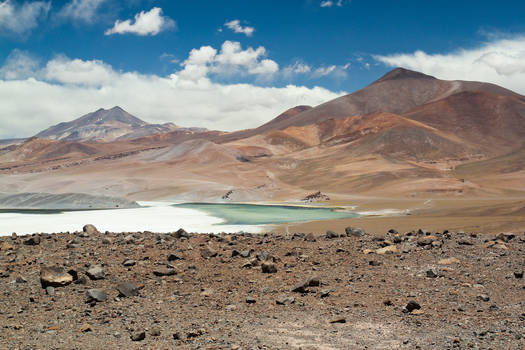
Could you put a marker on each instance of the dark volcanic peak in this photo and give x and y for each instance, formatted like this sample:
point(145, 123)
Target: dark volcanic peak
point(403, 73)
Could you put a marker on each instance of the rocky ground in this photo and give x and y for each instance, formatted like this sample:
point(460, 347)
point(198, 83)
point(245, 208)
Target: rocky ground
point(344, 290)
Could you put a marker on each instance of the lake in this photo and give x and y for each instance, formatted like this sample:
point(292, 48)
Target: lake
point(165, 217)
point(256, 214)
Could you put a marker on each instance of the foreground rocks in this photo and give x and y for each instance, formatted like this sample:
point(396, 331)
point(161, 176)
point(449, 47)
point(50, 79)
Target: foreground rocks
point(337, 290)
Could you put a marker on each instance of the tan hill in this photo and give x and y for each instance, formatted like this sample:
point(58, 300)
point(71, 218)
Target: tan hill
point(35, 149)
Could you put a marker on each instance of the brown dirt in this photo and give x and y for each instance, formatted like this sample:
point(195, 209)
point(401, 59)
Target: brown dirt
point(205, 303)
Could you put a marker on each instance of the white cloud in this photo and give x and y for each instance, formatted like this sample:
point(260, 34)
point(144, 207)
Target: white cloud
point(499, 61)
point(296, 68)
point(65, 88)
point(81, 10)
point(235, 25)
point(146, 23)
point(18, 65)
point(21, 19)
point(330, 3)
point(91, 73)
point(229, 61)
point(333, 70)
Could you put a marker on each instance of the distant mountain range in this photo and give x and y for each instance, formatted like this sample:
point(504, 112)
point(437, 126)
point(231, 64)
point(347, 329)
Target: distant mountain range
point(406, 134)
point(105, 125)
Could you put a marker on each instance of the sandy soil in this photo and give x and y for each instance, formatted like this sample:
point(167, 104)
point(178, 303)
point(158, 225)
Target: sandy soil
point(469, 215)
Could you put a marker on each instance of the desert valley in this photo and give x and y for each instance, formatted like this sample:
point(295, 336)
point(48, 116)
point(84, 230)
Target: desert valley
point(448, 151)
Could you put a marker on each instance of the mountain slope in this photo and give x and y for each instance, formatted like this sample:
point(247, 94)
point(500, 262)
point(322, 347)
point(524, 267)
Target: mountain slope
point(104, 125)
point(398, 92)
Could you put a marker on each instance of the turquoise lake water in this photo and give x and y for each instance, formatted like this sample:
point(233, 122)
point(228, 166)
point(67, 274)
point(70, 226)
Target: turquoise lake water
point(253, 214)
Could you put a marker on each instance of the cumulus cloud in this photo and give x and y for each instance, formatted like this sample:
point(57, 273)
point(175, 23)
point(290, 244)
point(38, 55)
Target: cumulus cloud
point(81, 10)
point(21, 19)
point(90, 73)
point(500, 61)
point(145, 23)
point(231, 60)
point(235, 25)
point(64, 89)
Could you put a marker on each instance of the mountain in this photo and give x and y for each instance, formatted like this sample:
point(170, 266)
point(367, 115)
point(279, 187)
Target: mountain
point(407, 134)
point(398, 92)
point(104, 125)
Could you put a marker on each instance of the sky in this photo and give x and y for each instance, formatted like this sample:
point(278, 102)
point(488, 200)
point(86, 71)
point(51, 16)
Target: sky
point(230, 65)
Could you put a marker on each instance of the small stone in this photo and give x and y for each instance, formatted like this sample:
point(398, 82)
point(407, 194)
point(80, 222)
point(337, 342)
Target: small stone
point(505, 237)
point(89, 229)
point(518, 274)
point(138, 336)
point(20, 279)
point(34, 240)
point(411, 306)
point(449, 261)
point(431, 274)
point(375, 263)
point(324, 293)
point(54, 277)
point(285, 300)
point(331, 234)
point(312, 281)
point(96, 272)
point(268, 267)
point(208, 252)
point(338, 320)
point(155, 332)
point(96, 294)
point(310, 237)
point(426, 240)
point(355, 232)
point(129, 262)
point(174, 256)
point(164, 271)
point(86, 327)
point(6, 246)
point(50, 291)
point(390, 249)
point(483, 297)
point(250, 300)
point(127, 289)
point(181, 234)
point(242, 253)
point(106, 240)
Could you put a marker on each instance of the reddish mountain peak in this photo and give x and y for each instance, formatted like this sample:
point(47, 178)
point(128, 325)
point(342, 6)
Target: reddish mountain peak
point(403, 73)
point(290, 113)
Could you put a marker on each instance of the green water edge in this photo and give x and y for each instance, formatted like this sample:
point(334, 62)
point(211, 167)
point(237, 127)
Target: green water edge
point(260, 214)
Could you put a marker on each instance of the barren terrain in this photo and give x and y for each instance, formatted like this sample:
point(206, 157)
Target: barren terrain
point(426, 290)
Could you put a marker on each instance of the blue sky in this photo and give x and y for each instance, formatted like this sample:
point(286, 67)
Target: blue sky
point(251, 59)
